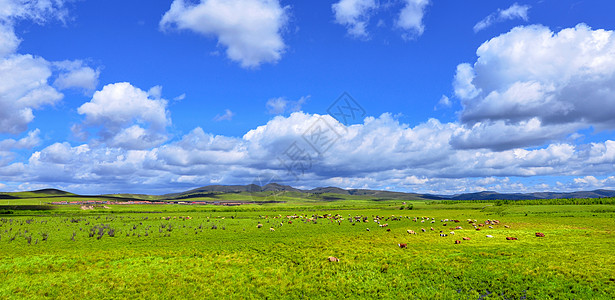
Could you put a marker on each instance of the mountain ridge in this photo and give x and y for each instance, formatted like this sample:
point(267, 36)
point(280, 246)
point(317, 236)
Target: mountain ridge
point(212, 190)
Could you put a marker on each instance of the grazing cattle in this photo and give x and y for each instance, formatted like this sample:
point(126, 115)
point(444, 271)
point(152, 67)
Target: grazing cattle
point(259, 225)
point(477, 229)
point(540, 234)
point(443, 234)
point(491, 227)
point(423, 229)
point(333, 259)
point(452, 232)
point(410, 231)
point(271, 229)
point(510, 238)
point(457, 242)
point(432, 228)
point(401, 245)
point(465, 238)
point(388, 229)
point(458, 228)
point(367, 229)
point(506, 226)
point(489, 236)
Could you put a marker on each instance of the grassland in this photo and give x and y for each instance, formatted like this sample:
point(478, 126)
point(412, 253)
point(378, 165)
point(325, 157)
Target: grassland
point(173, 251)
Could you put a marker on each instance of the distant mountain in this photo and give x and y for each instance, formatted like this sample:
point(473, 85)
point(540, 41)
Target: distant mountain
point(55, 192)
point(325, 193)
point(389, 195)
point(490, 195)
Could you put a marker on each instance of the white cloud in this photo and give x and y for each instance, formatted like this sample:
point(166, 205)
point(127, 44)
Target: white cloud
point(379, 153)
point(227, 116)
point(249, 29)
point(25, 78)
point(36, 10)
point(74, 74)
point(463, 86)
point(121, 110)
point(411, 17)
point(23, 88)
point(28, 142)
point(8, 40)
point(281, 105)
point(180, 97)
point(515, 11)
point(354, 14)
point(538, 85)
point(444, 102)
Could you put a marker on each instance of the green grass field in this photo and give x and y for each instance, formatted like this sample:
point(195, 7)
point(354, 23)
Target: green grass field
point(156, 251)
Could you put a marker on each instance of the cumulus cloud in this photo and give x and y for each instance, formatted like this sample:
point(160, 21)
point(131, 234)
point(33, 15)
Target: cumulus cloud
point(75, 74)
point(8, 40)
point(515, 11)
point(251, 30)
point(354, 14)
point(27, 142)
point(532, 81)
point(127, 116)
point(380, 153)
point(25, 78)
point(281, 105)
point(24, 87)
point(444, 102)
point(39, 11)
point(227, 116)
point(411, 17)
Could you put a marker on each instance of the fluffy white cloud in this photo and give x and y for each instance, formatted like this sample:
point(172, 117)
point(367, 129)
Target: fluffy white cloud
point(27, 142)
point(515, 11)
point(281, 105)
point(380, 153)
point(25, 78)
point(354, 14)
point(532, 81)
point(74, 74)
point(23, 88)
point(36, 10)
point(249, 29)
point(444, 102)
point(411, 17)
point(8, 40)
point(122, 111)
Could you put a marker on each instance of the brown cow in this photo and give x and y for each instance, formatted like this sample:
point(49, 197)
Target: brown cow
point(511, 238)
point(540, 234)
point(457, 242)
point(465, 238)
point(333, 259)
point(401, 245)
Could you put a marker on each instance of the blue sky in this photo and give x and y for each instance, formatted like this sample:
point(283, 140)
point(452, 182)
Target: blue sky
point(162, 96)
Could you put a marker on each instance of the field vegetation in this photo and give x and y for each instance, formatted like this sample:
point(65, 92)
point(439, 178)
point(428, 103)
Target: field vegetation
point(282, 250)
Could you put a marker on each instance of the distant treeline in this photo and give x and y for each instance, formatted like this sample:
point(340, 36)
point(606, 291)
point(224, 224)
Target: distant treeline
point(571, 201)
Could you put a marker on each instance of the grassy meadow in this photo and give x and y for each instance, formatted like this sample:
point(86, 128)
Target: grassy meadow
point(206, 251)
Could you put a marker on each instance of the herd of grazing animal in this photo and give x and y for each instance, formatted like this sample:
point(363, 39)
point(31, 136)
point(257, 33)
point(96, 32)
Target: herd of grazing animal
point(338, 219)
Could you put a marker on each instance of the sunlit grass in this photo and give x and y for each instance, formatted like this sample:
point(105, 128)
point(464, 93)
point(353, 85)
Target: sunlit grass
point(239, 260)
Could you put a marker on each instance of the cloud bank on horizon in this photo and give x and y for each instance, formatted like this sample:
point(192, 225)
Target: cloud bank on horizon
point(531, 111)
